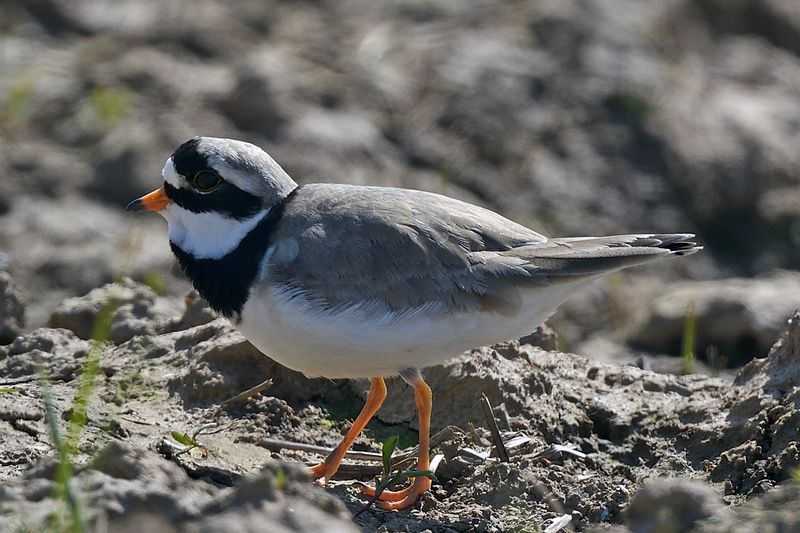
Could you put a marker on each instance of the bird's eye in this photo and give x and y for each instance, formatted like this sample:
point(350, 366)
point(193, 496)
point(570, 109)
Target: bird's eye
point(206, 181)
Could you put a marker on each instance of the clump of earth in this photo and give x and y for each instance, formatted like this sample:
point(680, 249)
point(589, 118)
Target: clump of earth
point(591, 446)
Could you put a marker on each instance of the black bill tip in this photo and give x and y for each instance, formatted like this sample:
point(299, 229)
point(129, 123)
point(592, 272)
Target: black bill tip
point(135, 206)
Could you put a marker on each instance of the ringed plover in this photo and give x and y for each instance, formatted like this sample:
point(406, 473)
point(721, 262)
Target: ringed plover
point(346, 281)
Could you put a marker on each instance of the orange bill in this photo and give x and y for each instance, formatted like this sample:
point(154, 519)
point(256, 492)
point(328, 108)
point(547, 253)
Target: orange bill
point(154, 201)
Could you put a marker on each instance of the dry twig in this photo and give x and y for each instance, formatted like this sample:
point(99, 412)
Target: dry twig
point(488, 414)
point(252, 391)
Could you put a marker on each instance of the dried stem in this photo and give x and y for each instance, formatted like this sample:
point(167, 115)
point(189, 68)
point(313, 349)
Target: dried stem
point(488, 414)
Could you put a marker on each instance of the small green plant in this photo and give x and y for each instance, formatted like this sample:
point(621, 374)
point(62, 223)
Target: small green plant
point(326, 422)
point(190, 442)
point(155, 281)
point(67, 445)
point(111, 104)
point(445, 178)
point(9, 390)
point(393, 474)
point(687, 350)
point(19, 103)
point(618, 302)
point(281, 480)
point(64, 490)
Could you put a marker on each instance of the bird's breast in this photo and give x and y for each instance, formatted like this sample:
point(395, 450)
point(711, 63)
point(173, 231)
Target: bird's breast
point(366, 339)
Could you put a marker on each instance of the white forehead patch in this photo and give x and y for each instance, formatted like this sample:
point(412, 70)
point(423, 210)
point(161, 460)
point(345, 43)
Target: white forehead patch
point(206, 235)
point(169, 174)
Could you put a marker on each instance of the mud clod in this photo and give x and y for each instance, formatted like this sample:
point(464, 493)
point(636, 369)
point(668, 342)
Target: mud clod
point(129, 486)
point(135, 309)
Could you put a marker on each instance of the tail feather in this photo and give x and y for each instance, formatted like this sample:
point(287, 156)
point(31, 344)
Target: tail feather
point(675, 243)
point(574, 257)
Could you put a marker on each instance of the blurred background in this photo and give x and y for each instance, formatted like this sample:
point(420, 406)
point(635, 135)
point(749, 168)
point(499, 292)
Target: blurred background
point(574, 117)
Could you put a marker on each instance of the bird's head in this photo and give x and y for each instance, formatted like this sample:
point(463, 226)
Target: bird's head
point(215, 191)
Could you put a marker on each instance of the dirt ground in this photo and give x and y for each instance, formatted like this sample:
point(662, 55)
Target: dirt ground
point(607, 446)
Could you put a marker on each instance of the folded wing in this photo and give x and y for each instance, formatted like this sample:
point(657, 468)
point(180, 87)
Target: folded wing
point(401, 250)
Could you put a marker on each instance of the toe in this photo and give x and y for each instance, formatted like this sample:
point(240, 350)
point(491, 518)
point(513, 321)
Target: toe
point(322, 473)
point(317, 471)
point(387, 495)
point(409, 495)
point(396, 506)
point(408, 501)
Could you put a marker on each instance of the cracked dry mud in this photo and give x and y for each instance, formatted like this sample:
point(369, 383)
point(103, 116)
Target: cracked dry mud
point(649, 450)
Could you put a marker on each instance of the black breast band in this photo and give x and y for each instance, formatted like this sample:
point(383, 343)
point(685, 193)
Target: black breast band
point(225, 282)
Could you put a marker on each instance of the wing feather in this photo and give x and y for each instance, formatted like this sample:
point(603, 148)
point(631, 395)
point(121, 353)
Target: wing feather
point(406, 249)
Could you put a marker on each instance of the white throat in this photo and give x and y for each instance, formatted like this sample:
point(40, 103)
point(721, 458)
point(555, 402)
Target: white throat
point(206, 235)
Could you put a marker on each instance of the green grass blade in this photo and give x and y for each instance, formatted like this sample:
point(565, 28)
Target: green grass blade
point(64, 471)
point(88, 378)
point(66, 446)
point(387, 451)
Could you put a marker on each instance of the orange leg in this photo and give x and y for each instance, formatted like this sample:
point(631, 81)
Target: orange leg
point(325, 470)
point(406, 497)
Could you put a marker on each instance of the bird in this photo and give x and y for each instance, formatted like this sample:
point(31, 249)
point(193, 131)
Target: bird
point(352, 281)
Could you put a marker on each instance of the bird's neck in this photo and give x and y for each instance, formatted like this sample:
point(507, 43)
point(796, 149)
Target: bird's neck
point(225, 281)
point(207, 235)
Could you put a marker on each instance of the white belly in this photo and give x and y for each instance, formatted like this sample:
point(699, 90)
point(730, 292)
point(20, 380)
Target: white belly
point(366, 340)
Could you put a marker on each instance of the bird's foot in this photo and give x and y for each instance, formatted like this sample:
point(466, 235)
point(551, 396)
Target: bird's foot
point(387, 495)
point(400, 499)
point(323, 472)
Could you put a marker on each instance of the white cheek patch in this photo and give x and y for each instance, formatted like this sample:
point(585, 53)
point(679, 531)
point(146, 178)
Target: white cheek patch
point(206, 235)
point(169, 174)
